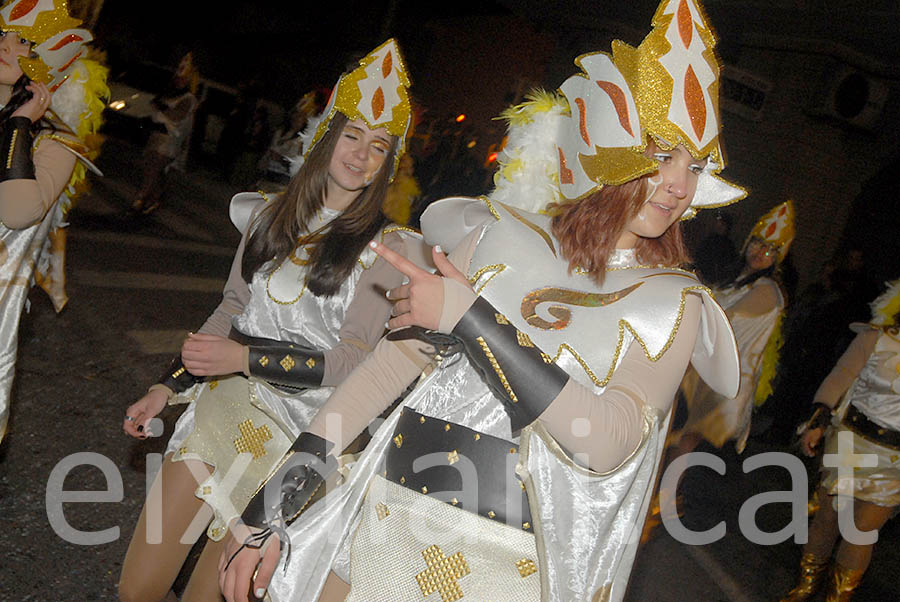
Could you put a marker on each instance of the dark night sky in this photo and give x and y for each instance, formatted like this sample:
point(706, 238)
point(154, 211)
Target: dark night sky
point(288, 46)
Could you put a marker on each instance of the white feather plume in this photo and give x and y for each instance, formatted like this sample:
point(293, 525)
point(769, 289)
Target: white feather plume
point(528, 176)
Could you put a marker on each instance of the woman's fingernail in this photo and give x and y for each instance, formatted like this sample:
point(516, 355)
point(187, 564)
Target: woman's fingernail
point(386, 325)
point(141, 429)
point(438, 248)
point(373, 244)
point(260, 592)
point(387, 294)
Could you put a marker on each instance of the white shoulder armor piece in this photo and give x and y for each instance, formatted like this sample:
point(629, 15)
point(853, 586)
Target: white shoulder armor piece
point(242, 208)
point(448, 221)
point(715, 355)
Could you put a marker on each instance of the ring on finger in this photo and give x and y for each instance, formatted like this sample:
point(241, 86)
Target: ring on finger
point(129, 418)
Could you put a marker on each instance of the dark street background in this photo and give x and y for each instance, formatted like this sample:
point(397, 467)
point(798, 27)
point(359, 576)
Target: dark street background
point(135, 288)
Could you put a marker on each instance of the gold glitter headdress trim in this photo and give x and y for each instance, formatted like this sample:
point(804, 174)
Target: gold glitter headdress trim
point(375, 92)
point(58, 41)
point(776, 228)
point(666, 88)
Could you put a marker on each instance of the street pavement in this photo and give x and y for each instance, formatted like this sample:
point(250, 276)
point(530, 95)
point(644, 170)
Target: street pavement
point(136, 287)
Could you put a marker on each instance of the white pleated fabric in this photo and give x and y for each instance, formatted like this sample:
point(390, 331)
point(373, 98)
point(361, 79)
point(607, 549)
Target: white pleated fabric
point(21, 251)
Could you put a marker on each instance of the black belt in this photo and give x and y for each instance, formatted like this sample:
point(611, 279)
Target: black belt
point(245, 339)
point(451, 460)
point(860, 424)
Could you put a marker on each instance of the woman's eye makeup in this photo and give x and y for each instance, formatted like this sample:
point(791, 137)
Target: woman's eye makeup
point(662, 157)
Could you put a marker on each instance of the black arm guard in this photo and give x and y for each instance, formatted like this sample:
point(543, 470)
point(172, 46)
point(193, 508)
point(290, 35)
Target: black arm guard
point(821, 417)
point(287, 364)
point(288, 492)
point(283, 363)
point(523, 377)
point(17, 162)
point(177, 377)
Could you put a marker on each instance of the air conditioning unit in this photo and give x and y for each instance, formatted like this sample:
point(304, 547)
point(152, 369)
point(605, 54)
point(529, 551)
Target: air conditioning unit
point(852, 97)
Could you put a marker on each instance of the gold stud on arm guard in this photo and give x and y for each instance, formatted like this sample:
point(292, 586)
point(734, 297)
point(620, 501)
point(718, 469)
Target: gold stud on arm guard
point(177, 378)
point(518, 372)
point(16, 142)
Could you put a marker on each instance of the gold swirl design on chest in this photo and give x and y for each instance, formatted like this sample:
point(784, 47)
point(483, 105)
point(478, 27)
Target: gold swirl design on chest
point(565, 296)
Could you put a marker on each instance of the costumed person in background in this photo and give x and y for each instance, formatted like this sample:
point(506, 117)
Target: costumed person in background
point(167, 146)
point(860, 400)
point(285, 153)
point(754, 302)
point(403, 193)
point(304, 303)
point(53, 97)
point(522, 468)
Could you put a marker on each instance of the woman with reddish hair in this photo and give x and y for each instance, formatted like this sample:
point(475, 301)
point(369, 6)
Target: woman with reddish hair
point(521, 465)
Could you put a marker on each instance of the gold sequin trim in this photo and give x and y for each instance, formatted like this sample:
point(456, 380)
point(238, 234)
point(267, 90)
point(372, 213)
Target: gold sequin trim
point(501, 319)
point(526, 525)
point(532, 226)
point(454, 501)
point(424, 489)
point(264, 361)
point(310, 363)
point(213, 385)
point(291, 302)
point(287, 363)
point(496, 366)
point(491, 514)
point(252, 439)
point(523, 339)
point(491, 207)
point(398, 440)
point(382, 510)
point(526, 567)
point(421, 420)
point(443, 574)
point(447, 427)
point(453, 457)
point(12, 147)
point(207, 490)
point(495, 267)
point(477, 436)
point(178, 372)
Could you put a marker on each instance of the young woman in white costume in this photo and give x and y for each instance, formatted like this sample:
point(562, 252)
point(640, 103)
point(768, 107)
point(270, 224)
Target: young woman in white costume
point(859, 402)
point(522, 468)
point(52, 99)
point(304, 303)
point(754, 302)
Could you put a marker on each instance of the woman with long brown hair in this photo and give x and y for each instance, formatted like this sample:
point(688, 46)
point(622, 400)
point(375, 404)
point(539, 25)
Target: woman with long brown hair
point(302, 306)
point(521, 466)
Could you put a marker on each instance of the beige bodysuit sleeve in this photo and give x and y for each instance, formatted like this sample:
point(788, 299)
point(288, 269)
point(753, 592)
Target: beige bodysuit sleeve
point(364, 322)
point(25, 202)
point(382, 377)
point(602, 430)
point(846, 369)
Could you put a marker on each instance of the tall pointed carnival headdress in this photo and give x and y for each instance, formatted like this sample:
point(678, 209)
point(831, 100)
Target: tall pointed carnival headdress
point(375, 92)
point(58, 42)
point(776, 228)
point(667, 88)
